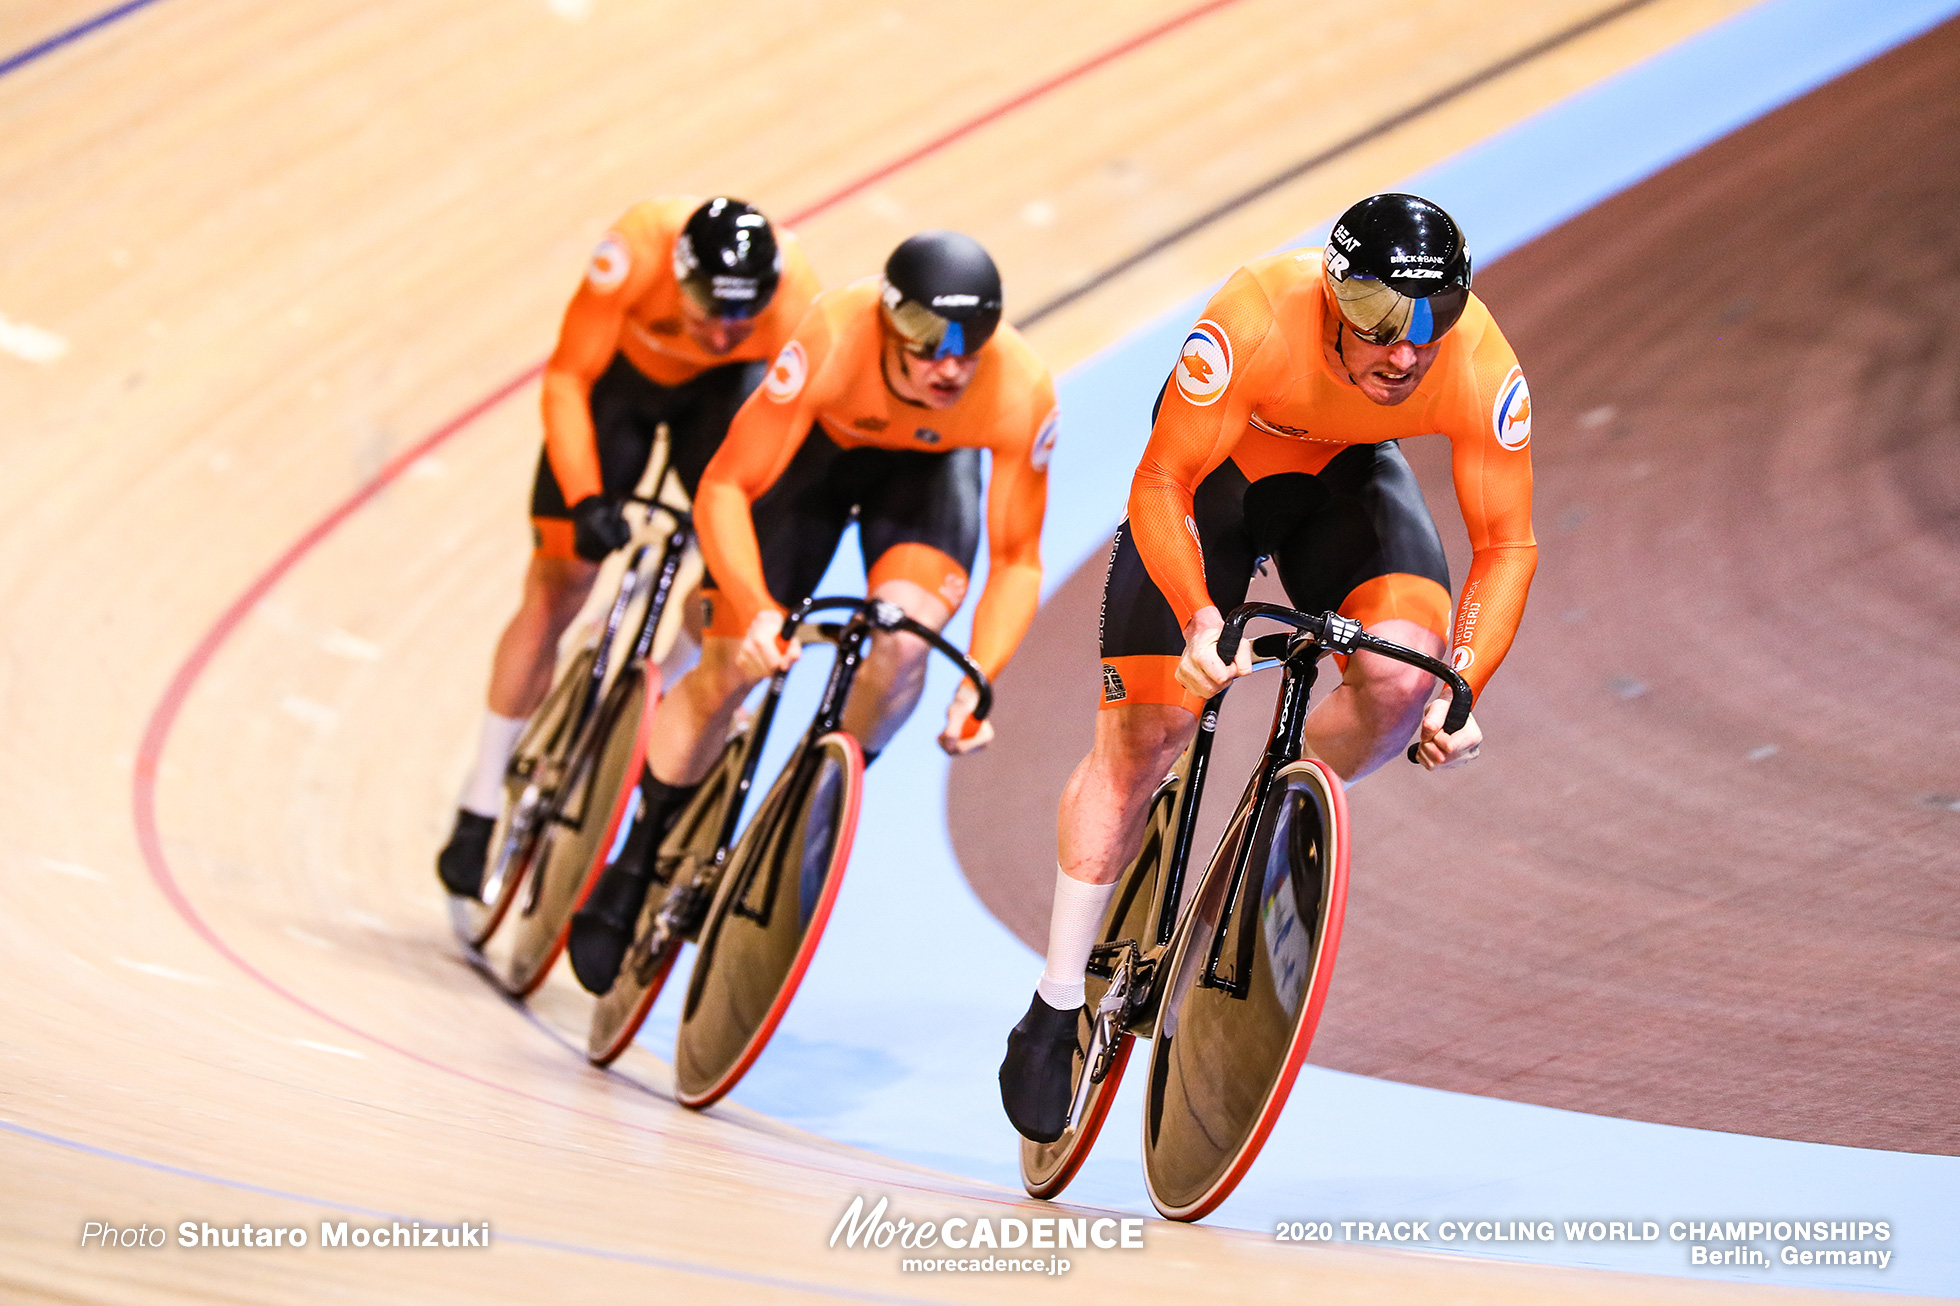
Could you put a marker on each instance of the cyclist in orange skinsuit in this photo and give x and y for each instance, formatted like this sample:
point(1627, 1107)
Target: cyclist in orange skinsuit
point(1274, 438)
point(630, 310)
point(877, 410)
point(847, 398)
point(682, 303)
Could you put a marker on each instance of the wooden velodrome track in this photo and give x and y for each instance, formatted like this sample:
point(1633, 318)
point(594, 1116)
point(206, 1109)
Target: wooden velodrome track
point(264, 515)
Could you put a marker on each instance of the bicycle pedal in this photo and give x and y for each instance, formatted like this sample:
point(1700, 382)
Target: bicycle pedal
point(684, 911)
point(640, 960)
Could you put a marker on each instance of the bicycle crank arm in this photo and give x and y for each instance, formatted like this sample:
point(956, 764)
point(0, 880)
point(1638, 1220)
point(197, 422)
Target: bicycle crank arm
point(1090, 1058)
point(669, 923)
point(1105, 1029)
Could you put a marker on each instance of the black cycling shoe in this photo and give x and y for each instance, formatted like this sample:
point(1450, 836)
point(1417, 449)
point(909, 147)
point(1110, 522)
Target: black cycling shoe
point(602, 930)
point(1036, 1077)
point(460, 863)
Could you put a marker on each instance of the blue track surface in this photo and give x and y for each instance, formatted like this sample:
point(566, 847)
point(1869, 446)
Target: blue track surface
point(893, 1041)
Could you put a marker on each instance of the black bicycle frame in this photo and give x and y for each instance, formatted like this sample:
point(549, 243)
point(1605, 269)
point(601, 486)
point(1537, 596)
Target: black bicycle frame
point(1302, 667)
point(1317, 636)
point(1300, 654)
point(663, 587)
point(868, 616)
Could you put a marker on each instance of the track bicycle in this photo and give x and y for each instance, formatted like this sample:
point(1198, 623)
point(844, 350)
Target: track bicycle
point(1227, 980)
point(759, 908)
point(572, 770)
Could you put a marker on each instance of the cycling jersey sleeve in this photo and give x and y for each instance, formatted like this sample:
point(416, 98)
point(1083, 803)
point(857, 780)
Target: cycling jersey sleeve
point(1226, 363)
point(586, 343)
point(1017, 500)
point(761, 441)
point(1491, 466)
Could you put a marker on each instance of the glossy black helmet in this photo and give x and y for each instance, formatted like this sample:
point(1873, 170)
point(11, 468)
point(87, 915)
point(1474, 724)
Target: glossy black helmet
point(941, 294)
point(726, 259)
point(1399, 269)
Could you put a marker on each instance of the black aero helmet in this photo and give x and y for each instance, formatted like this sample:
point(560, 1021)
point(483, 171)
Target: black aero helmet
point(941, 294)
point(1399, 269)
point(726, 259)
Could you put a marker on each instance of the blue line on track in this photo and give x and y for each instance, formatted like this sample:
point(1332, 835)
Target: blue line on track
point(75, 33)
point(545, 1244)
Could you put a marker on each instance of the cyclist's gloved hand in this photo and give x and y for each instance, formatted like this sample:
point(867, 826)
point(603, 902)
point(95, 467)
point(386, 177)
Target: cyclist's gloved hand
point(598, 528)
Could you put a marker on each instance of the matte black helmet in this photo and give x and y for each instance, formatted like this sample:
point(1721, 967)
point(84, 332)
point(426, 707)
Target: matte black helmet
point(941, 293)
point(726, 259)
point(1399, 269)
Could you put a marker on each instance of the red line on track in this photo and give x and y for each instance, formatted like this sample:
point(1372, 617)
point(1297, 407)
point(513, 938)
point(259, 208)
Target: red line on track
point(163, 718)
point(1006, 107)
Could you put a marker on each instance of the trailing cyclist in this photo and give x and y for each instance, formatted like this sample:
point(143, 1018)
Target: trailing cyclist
point(1275, 438)
point(877, 410)
point(682, 305)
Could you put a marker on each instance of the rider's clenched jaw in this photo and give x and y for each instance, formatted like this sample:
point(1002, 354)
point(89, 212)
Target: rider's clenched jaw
point(1386, 374)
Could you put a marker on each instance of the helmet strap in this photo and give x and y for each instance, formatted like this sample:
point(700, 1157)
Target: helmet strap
point(1340, 329)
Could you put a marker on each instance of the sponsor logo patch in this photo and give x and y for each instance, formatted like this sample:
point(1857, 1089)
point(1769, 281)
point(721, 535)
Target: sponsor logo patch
point(1204, 364)
point(787, 374)
point(1044, 440)
point(926, 435)
point(610, 263)
point(1113, 691)
point(873, 424)
point(1462, 658)
point(1510, 416)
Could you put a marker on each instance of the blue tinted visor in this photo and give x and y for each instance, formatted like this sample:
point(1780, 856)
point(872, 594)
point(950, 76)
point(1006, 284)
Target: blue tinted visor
point(1382, 315)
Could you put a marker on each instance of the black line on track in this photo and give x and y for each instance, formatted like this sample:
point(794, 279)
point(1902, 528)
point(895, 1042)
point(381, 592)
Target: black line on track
point(75, 33)
point(1374, 131)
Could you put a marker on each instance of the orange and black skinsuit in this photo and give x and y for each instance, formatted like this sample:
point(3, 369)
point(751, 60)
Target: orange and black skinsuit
point(625, 364)
point(1263, 447)
point(825, 437)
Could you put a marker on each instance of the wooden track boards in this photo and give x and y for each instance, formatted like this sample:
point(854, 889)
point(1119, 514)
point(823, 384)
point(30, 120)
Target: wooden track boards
point(282, 244)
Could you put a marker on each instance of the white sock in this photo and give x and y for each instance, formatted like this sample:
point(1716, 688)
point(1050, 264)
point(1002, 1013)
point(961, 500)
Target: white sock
point(483, 792)
point(1073, 931)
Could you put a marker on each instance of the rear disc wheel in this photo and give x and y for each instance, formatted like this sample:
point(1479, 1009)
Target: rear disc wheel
point(1047, 1168)
point(581, 831)
point(528, 778)
point(686, 854)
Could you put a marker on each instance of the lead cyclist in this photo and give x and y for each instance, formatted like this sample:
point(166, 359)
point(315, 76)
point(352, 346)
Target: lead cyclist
point(1275, 437)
